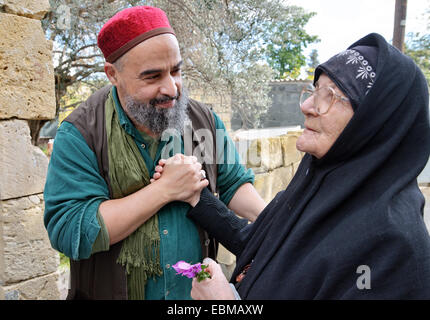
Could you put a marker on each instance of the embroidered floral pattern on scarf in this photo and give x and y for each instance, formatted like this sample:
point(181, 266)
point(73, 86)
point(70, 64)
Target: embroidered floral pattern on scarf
point(364, 70)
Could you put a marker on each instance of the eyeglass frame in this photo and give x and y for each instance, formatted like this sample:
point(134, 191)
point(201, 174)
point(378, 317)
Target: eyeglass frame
point(335, 96)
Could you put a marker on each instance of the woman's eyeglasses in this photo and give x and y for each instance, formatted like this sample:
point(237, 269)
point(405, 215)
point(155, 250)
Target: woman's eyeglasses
point(324, 98)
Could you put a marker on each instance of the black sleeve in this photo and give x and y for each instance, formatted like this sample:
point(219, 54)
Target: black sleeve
point(220, 222)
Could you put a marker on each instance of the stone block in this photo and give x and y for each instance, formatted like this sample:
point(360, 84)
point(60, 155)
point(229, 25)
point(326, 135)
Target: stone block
point(40, 288)
point(27, 250)
point(271, 153)
point(224, 256)
point(2, 265)
point(23, 166)
point(270, 183)
point(295, 166)
point(265, 152)
point(262, 186)
point(253, 152)
point(27, 88)
point(1, 261)
point(35, 9)
point(290, 153)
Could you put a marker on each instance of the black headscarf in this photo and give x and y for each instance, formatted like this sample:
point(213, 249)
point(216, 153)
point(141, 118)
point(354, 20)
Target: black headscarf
point(353, 71)
point(358, 205)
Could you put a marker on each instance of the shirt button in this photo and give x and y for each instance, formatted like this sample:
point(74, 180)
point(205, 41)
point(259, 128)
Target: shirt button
point(165, 232)
point(167, 266)
point(143, 145)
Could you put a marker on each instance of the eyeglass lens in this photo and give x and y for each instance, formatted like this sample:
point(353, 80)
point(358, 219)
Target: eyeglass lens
point(323, 98)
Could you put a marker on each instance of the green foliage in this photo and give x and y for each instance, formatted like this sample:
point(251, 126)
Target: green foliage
point(226, 45)
point(64, 261)
point(418, 48)
point(285, 41)
point(313, 62)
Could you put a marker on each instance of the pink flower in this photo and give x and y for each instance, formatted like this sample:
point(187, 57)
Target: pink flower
point(186, 269)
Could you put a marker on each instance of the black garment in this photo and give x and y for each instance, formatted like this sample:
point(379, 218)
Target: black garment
point(358, 205)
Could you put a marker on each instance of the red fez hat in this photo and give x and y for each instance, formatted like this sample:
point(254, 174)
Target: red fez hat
point(129, 27)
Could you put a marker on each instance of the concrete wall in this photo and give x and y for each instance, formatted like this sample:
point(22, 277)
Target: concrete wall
point(28, 264)
point(284, 110)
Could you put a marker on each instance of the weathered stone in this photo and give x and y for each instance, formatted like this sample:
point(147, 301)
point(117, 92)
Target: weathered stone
point(271, 153)
point(253, 152)
point(224, 256)
point(63, 282)
point(27, 88)
point(1, 255)
point(265, 152)
point(290, 153)
point(295, 166)
point(262, 187)
point(41, 288)
point(35, 9)
point(27, 250)
point(270, 183)
point(23, 167)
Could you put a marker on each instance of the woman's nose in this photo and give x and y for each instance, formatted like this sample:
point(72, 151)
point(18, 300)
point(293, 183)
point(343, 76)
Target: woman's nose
point(308, 107)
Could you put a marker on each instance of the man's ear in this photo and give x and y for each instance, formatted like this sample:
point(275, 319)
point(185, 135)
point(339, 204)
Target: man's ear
point(111, 73)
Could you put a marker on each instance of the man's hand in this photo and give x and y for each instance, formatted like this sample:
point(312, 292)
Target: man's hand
point(215, 288)
point(181, 178)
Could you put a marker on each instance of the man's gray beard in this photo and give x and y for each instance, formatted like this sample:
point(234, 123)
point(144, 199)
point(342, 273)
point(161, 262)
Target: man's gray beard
point(159, 119)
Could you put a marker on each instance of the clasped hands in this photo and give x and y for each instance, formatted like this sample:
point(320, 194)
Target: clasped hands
point(182, 177)
point(184, 180)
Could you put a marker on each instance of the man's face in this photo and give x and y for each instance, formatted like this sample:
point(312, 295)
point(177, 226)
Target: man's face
point(149, 75)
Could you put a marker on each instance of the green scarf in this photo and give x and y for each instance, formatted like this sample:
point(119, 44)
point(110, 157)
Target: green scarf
point(140, 252)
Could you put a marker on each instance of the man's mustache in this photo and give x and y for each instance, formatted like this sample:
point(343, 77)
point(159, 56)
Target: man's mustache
point(165, 98)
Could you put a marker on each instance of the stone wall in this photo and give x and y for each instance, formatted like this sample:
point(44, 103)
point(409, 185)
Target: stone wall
point(28, 264)
point(271, 153)
point(220, 103)
point(275, 163)
point(274, 160)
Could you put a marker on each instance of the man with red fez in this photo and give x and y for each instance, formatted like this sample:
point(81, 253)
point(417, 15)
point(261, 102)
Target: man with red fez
point(122, 232)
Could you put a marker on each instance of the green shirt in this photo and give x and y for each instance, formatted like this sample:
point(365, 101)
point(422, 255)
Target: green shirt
point(74, 190)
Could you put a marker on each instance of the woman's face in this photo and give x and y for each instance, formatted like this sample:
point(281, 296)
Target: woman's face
point(321, 131)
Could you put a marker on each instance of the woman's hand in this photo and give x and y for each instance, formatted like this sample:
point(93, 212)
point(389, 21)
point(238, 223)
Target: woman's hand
point(182, 178)
point(158, 170)
point(215, 288)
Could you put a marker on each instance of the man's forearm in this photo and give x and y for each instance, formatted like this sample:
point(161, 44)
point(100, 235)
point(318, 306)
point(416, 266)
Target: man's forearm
point(181, 180)
point(247, 203)
point(123, 216)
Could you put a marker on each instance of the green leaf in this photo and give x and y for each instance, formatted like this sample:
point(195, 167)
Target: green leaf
point(202, 275)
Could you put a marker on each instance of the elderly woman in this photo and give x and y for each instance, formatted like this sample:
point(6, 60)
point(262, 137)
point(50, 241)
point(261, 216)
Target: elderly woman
point(349, 225)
